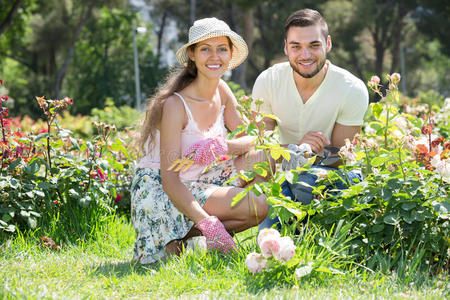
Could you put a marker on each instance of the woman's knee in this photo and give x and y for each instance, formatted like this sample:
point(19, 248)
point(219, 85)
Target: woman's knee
point(260, 207)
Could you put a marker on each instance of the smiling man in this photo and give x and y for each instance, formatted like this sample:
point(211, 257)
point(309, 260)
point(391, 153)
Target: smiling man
point(315, 101)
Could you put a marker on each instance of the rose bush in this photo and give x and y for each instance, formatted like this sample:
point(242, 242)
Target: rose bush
point(48, 172)
point(399, 213)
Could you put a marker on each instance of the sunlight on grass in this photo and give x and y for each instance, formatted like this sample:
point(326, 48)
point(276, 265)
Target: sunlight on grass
point(102, 267)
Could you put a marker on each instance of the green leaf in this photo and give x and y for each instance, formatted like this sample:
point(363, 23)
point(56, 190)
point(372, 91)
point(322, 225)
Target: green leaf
point(377, 109)
point(441, 207)
point(74, 194)
point(32, 222)
point(84, 202)
point(271, 117)
point(408, 205)
point(239, 197)
point(378, 161)
point(260, 170)
point(348, 203)
point(252, 130)
point(276, 189)
point(14, 183)
point(33, 168)
point(376, 228)
point(44, 185)
point(303, 271)
point(391, 219)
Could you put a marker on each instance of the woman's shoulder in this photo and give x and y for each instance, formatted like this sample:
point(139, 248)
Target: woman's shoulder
point(173, 104)
point(226, 94)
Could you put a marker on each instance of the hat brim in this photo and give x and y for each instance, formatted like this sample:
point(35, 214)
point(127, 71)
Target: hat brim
point(240, 50)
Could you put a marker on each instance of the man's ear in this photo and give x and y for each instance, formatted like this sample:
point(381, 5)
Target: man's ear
point(329, 44)
point(285, 46)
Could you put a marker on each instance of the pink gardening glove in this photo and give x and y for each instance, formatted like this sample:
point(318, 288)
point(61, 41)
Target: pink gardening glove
point(217, 238)
point(206, 151)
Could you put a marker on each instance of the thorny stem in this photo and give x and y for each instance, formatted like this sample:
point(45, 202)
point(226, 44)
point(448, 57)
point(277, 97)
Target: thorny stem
point(3, 129)
point(387, 128)
point(401, 163)
point(4, 140)
point(369, 167)
point(48, 149)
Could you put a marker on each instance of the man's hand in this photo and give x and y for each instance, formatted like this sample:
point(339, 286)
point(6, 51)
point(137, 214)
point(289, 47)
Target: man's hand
point(316, 140)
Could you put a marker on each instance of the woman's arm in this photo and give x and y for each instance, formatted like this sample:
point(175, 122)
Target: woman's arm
point(242, 144)
point(173, 118)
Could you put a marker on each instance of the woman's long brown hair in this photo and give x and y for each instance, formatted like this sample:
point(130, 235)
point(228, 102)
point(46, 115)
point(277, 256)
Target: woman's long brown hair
point(176, 81)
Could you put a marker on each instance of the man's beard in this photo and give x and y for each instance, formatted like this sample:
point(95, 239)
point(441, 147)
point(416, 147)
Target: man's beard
point(313, 73)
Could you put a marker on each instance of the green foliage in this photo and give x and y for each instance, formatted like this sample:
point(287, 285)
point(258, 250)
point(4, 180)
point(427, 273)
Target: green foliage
point(51, 173)
point(122, 117)
point(398, 214)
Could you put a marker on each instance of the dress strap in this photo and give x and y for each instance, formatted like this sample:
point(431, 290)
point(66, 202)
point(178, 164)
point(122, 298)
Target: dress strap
point(186, 107)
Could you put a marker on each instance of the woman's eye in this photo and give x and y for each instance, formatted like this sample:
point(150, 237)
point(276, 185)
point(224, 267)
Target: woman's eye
point(204, 49)
point(224, 49)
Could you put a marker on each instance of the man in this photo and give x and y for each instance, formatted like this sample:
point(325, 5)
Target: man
point(315, 101)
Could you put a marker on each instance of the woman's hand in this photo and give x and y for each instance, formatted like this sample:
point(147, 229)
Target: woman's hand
point(217, 238)
point(206, 151)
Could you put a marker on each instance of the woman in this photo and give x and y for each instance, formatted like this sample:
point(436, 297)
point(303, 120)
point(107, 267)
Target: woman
point(187, 118)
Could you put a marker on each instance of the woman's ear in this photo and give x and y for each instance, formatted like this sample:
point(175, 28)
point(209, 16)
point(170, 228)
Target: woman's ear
point(190, 54)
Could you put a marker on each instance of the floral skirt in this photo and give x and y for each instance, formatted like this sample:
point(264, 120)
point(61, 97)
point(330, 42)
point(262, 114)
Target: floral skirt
point(156, 220)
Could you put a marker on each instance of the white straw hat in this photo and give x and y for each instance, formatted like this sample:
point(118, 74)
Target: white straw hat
point(204, 29)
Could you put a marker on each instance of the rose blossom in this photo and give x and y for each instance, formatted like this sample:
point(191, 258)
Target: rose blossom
point(286, 251)
point(375, 79)
point(267, 232)
point(255, 262)
point(347, 151)
point(443, 168)
point(270, 245)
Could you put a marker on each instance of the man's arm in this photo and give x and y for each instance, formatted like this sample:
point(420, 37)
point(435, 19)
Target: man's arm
point(342, 132)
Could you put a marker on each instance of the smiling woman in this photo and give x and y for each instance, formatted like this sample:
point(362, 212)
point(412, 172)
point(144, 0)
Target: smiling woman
point(180, 179)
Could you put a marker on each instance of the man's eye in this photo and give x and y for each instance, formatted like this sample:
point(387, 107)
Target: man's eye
point(204, 49)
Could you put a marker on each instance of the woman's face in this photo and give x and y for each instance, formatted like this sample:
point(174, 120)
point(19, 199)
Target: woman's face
point(212, 56)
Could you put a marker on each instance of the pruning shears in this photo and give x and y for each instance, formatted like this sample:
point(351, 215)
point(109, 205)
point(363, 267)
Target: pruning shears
point(330, 156)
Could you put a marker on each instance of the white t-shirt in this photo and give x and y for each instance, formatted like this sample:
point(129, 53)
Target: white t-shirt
point(341, 98)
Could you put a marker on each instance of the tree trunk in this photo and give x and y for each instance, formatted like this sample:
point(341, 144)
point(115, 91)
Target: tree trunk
point(379, 51)
point(10, 17)
point(249, 37)
point(397, 37)
point(62, 72)
point(160, 34)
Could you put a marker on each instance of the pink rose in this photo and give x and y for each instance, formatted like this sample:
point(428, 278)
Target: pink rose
point(375, 79)
point(269, 246)
point(267, 232)
point(255, 262)
point(286, 251)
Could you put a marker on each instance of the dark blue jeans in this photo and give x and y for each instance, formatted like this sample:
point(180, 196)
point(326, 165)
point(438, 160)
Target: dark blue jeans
point(304, 193)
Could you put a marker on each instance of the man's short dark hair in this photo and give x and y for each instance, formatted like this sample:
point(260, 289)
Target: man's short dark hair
point(306, 17)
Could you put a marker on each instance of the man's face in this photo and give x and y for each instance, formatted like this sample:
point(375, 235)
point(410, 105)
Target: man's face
point(306, 49)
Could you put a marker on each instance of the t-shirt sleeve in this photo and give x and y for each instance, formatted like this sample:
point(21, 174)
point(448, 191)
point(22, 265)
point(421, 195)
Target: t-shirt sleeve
point(261, 91)
point(354, 108)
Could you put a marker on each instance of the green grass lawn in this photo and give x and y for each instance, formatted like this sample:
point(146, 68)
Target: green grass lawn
point(102, 267)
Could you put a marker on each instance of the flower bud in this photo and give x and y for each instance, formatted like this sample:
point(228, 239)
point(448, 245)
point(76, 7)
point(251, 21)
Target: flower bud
point(395, 77)
point(375, 80)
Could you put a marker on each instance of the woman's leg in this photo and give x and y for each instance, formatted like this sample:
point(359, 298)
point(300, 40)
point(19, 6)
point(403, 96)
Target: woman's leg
point(249, 212)
point(246, 162)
